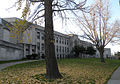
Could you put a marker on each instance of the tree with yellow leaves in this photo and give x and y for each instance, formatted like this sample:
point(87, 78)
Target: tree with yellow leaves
point(18, 29)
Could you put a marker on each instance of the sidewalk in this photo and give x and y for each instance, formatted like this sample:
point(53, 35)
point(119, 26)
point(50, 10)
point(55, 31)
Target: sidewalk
point(2, 66)
point(115, 78)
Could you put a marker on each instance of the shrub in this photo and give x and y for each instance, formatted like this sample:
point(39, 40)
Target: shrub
point(33, 56)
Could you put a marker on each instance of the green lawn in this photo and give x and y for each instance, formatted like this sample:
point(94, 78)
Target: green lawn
point(74, 71)
point(2, 62)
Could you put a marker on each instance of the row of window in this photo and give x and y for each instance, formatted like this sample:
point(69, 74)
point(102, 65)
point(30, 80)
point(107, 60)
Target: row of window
point(57, 40)
point(61, 41)
point(38, 46)
point(58, 48)
point(28, 49)
point(42, 35)
point(61, 56)
point(62, 49)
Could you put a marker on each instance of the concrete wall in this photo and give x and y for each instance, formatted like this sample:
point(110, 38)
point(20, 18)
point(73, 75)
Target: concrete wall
point(10, 51)
point(1, 32)
point(6, 35)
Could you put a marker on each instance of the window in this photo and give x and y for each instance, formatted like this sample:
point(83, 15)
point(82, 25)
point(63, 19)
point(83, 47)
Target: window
point(63, 49)
point(67, 49)
point(67, 42)
point(60, 40)
point(42, 36)
point(56, 39)
point(27, 49)
point(42, 47)
point(57, 56)
point(38, 35)
point(38, 45)
point(60, 49)
point(60, 56)
point(57, 48)
point(33, 48)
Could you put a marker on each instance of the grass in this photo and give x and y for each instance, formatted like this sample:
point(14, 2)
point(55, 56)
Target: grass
point(74, 71)
point(2, 62)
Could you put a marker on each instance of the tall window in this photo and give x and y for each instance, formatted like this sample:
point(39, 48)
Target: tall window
point(57, 48)
point(60, 40)
point(67, 49)
point(60, 49)
point(42, 46)
point(27, 49)
point(33, 49)
point(63, 49)
point(56, 39)
point(42, 36)
point(38, 35)
point(67, 42)
point(38, 46)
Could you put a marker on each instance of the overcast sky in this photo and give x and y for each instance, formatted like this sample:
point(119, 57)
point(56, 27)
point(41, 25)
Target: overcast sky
point(114, 8)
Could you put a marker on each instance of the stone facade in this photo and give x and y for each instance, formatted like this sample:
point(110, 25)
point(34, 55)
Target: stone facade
point(37, 43)
point(33, 43)
point(9, 49)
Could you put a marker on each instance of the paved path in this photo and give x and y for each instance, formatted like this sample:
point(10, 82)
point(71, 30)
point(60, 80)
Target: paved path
point(115, 78)
point(2, 66)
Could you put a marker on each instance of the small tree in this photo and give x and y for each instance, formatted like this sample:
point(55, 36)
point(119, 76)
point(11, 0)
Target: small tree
point(90, 50)
point(82, 50)
point(78, 49)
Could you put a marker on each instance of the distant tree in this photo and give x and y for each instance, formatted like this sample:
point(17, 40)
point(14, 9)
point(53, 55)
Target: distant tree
point(82, 49)
point(96, 26)
point(90, 50)
point(78, 49)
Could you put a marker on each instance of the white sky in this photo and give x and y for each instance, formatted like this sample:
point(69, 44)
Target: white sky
point(71, 27)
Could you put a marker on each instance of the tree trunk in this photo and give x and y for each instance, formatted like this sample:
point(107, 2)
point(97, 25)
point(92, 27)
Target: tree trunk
point(101, 51)
point(52, 71)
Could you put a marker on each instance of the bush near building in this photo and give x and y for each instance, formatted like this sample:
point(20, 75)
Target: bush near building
point(33, 56)
point(77, 50)
point(117, 55)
